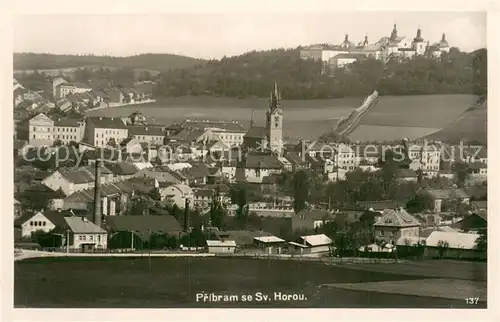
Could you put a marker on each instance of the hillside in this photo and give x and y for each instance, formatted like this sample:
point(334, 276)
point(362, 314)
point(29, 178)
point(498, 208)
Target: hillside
point(471, 126)
point(154, 62)
point(253, 73)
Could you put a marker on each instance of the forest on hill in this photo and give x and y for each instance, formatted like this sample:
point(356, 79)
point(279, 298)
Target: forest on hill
point(253, 73)
point(159, 62)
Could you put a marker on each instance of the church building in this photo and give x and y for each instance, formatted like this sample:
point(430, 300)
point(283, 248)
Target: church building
point(268, 138)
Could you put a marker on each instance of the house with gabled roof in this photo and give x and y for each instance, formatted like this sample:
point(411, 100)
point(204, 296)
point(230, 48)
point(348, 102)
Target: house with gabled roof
point(85, 235)
point(311, 244)
point(70, 181)
point(258, 166)
point(45, 220)
point(395, 224)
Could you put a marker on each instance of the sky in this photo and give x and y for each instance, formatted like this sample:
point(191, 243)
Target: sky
point(215, 35)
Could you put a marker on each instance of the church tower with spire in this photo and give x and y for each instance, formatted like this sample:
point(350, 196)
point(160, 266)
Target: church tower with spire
point(418, 43)
point(274, 122)
point(394, 33)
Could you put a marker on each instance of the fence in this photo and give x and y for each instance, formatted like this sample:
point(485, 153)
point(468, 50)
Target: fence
point(313, 258)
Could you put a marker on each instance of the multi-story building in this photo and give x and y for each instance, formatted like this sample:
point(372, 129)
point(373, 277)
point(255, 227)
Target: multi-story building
point(102, 131)
point(395, 225)
point(68, 130)
point(230, 133)
point(64, 89)
point(153, 135)
point(44, 131)
point(345, 157)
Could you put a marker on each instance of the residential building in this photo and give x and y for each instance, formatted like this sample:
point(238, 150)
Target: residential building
point(311, 219)
point(64, 89)
point(312, 244)
point(177, 194)
point(221, 246)
point(297, 160)
point(45, 221)
point(102, 131)
point(230, 133)
point(44, 131)
point(147, 134)
point(345, 157)
point(131, 145)
point(202, 198)
point(396, 224)
point(70, 181)
point(85, 235)
point(258, 166)
point(68, 130)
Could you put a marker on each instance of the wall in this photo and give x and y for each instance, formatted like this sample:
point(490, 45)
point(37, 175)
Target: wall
point(319, 249)
point(221, 249)
point(433, 252)
point(99, 240)
point(394, 233)
point(42, 223)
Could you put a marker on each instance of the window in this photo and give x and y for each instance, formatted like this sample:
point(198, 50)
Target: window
point(44, 223)
point(84, 237)
point(36, 223)
point(91, 237)
point(31, 223)
point(34, 129)
point(381, 233)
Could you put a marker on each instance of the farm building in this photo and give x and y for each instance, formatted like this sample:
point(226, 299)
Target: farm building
point(312, 244)
point(221, 246)
point(453, 245)
point(272, 244)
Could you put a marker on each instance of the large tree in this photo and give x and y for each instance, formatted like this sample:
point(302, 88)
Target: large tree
point(300, 191)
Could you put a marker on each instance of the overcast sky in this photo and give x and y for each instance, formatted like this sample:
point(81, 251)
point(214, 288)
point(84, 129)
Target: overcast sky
point(213, 36)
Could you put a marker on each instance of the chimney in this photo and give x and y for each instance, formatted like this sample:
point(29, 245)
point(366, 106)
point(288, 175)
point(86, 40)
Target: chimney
point(186, 216)
point(97, 193)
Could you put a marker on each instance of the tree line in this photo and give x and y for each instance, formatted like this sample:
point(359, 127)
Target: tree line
point(252, 74)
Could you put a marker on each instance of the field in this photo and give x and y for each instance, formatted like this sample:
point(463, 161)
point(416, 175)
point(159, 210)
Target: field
point(472, 125)
point(396, 117)
point(168, 283)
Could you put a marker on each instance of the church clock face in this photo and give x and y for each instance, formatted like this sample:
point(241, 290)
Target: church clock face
point(276, 121)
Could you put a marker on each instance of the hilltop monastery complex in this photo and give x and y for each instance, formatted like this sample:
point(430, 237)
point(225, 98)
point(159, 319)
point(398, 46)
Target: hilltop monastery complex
point(394, 45)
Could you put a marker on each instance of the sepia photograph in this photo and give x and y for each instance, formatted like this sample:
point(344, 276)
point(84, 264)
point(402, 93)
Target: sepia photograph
point(250, 160)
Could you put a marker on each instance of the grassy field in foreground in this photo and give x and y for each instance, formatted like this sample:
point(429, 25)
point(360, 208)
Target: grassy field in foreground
point(175, 283)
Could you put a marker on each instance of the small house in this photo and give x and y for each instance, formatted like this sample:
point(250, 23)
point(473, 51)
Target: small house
point(221, 246)
point(312, 244)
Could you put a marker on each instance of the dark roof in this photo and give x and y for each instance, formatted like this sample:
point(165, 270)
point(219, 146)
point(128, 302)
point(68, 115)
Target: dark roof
point(54, 216)
point(354, 56)
point(41, 175)
point(257, 132)
point(203, 193)
point(222, 187)
point(123, 168)
point(46, 191)
point(67, 122)
point(144, 225)
point(196, 171)
point(107, 122)
point(295, 157)
point(263, 162)
point(78, 176)
point(477, 165)
point(145, 130)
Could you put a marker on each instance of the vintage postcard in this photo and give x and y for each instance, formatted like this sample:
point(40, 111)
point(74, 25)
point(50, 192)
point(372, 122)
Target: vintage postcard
point(250, 160)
